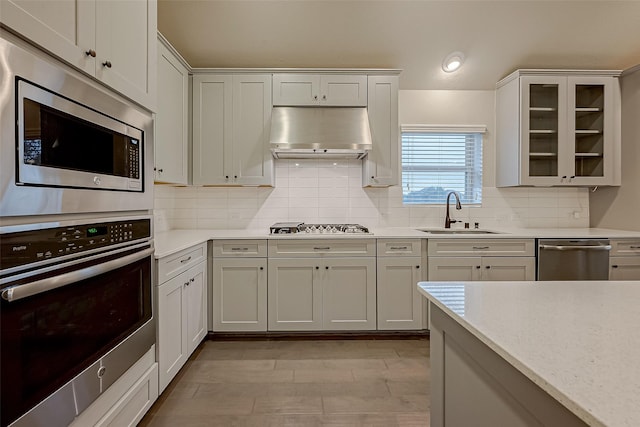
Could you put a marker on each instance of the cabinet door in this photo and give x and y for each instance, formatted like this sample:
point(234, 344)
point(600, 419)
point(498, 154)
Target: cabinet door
point(543, 118)
point(591, 130)
point(343, 90)
point(172, 119)
point(454, 269)
point(252, 160)
point(624, 268)
point(196, 307)
point(296, 89)
point(349, 294)
point(381, 166)
point(239, 301)
point(294, 295)
point(126, 46)
point(212, 129)
point(508, 268)
point(335, 90)
point(172, 341)
point(66, 28)
point(399, 302)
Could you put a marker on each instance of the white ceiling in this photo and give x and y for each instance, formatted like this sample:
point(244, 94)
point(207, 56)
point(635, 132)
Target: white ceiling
point(497, 37)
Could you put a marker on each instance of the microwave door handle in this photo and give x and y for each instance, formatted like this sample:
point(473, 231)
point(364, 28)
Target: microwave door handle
point(17, 292)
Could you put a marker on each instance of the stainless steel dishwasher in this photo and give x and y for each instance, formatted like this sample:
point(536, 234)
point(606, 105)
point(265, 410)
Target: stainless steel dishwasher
point(573, 259)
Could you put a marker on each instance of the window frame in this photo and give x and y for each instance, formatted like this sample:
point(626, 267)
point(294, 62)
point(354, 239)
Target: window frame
point(471, 161)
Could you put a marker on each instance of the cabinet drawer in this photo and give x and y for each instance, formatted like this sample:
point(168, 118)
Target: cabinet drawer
point(493, 247)
point(239, 248)
point(625, 247)
point(399, 247)
point(172, 265)
point(312, 248)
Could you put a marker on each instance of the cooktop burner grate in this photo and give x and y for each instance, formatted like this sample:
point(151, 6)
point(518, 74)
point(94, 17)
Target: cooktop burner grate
point(301, 227)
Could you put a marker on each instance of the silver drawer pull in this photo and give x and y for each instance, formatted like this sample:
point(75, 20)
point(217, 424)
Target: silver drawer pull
point(240, 249)
point(324, 248)
point(480, 247)
point(399, 248)
point(185, 260)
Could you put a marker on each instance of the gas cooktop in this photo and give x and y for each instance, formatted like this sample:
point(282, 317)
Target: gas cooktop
point(301, 227)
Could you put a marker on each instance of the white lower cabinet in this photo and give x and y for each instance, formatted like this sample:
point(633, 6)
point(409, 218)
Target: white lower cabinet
point(322, 285)
point(624, 268)
point(322, 294)
point(481, 268)
point(624, 260)
point(239, 285)
point(490, 259)
point(399, 269)
point(182, 319)
point(239, 300)
point(295, 295)
point(349, 294)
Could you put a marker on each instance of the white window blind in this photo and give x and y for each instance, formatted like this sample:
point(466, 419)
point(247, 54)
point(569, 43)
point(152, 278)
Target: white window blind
point(437, 160)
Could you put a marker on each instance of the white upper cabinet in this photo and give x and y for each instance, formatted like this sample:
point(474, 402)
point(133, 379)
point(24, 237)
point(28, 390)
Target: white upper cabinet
point(336, 90)
point(381, 166)
point(113, 41)
point(171, 142)
point(231, 122)
point(558, 129)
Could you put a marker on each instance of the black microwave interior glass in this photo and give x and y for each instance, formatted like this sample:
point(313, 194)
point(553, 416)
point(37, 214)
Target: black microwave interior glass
point(49, 338)
point(56, 139)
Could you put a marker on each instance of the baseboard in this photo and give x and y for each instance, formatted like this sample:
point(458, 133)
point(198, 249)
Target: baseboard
point(319, 335)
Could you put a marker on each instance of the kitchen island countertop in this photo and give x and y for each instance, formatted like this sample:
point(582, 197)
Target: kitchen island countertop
point(578, 341)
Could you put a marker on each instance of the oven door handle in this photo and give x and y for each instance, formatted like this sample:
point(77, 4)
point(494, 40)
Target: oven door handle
point(17, 292)
point(577, 247)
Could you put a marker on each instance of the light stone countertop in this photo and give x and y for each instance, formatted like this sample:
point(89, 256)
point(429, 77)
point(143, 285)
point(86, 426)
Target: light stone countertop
point(168, 242)
point(578, 341)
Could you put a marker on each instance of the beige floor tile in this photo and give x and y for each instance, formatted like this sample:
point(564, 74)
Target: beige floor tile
point(299, 383)
point(391, 374)
point(203, 374)
point(350, 404)
point(403, 388)
point(206, 407)
point(288, 405)
point(364, 389)
point(323, 376)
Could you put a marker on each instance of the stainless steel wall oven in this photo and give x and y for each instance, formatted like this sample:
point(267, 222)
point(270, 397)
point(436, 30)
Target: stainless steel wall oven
point(76, 197)
point(76, 313)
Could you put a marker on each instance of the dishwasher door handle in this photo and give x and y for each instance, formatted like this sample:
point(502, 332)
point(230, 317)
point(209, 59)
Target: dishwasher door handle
point(576, 247)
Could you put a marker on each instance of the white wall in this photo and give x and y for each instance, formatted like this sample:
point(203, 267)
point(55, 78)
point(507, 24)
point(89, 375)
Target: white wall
point(319, 191)
point(618, 207)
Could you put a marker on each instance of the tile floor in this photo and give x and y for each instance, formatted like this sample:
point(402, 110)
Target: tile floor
point(334, 383)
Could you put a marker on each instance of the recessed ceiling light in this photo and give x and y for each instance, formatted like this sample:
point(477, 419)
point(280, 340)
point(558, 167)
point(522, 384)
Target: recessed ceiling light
point(452, 62)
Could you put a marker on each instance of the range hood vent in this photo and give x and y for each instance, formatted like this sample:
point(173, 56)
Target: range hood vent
point(320, 132)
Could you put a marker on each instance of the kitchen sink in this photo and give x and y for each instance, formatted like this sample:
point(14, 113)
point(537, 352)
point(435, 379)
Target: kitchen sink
point(449, 231)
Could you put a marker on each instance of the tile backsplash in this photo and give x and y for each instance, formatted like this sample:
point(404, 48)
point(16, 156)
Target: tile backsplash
point(331, 191)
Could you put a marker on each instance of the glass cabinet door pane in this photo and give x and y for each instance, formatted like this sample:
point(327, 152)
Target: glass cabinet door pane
point(543, 129)
point(589, 130)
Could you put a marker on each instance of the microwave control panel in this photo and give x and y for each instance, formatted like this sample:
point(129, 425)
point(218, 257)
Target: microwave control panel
point(27, 247)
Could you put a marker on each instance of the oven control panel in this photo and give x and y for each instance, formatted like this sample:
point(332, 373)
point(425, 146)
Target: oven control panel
point(26, 247)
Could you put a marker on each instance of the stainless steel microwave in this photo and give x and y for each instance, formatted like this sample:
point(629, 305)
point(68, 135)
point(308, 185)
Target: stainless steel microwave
point(67, 144)
point(62, 143)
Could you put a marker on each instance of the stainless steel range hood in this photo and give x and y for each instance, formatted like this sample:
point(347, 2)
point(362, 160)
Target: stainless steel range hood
point(320, 132)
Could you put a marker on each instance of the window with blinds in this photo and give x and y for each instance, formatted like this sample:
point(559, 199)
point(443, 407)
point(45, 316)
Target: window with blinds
point(437, 160)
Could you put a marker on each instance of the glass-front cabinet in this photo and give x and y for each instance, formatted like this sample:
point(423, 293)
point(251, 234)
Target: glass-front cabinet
point(568, 133)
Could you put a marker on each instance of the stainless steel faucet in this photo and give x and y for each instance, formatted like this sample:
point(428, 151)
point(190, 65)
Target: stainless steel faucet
point(447, 219)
